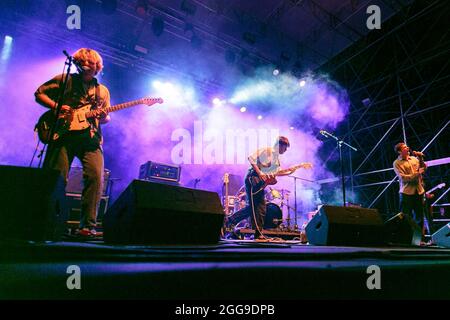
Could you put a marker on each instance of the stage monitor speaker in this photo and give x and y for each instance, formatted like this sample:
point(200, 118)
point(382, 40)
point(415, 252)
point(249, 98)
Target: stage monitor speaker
point(155, 213)
point(442, 236)
point(402, 229)
point(33, 204)
point(345, 226)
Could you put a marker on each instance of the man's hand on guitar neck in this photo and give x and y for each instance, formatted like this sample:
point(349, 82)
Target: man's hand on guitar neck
point(104, 117)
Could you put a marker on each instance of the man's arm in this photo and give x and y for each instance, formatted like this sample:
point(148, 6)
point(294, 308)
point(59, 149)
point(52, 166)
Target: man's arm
point(405, 176)
point(41, 94)
point(285, 172)
point(105, 117)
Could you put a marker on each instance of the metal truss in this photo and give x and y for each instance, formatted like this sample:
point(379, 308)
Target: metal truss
point(404, 79)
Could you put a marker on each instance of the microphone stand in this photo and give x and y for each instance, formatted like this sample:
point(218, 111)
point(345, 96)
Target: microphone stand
point(295, 198)
point(339, 144)
point(59, 103)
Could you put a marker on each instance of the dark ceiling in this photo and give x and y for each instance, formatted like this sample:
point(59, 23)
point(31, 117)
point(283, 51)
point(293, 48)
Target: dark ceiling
point(209, 40)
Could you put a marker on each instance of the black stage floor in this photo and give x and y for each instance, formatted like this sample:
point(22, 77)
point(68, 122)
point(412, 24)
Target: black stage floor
point(228, 270)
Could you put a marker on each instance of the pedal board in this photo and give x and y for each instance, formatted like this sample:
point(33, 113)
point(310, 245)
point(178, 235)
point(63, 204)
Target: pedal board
point(273, 233)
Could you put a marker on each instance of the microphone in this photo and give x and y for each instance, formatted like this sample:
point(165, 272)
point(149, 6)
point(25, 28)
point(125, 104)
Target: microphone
point(77, 64)
point(324, 133)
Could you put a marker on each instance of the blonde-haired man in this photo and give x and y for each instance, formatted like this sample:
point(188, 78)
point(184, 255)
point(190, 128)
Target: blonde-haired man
point(82, 88)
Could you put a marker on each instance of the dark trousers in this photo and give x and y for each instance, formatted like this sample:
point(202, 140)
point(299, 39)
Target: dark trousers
point(255, 208)
point(412, 205)
point(61, 158)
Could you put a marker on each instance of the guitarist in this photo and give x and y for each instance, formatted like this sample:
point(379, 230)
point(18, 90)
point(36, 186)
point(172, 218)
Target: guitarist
point(409, 170)
point(82, 89)
point(264, 164)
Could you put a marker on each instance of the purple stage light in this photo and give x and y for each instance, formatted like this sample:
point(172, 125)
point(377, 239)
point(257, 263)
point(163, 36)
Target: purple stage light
point(243, 109)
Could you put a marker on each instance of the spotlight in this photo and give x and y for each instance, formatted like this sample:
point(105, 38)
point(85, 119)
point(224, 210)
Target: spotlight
point(7, 48)
point(292, 128)
point(142, 8)
point(157, 84)
point(276, 72)
point(216, 101)
point(366, 102)
point(302, 83)
point(260, 117)
point(157, 26)
point(109, 6)
point(243, 109)
point(8, 40)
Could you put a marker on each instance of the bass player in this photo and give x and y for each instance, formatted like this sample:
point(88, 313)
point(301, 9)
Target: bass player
point(264, 166)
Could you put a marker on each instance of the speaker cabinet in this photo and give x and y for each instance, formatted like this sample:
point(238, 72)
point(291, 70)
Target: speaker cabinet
point(345, 226)
point(33, 204)
point(402, 229)
point(154, 213)
point(442, 236)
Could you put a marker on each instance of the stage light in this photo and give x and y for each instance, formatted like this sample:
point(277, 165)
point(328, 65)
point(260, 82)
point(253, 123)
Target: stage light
point(216, 101)
point(276, 72)
point(366, 102)
point(302, 83)
point(158, 26)
point(260, 117)
point(157, 84)
point(7, 47)
point(243, 109)
point(292, 128)
point(142, 8)
point(109, 6)
point(8, 40)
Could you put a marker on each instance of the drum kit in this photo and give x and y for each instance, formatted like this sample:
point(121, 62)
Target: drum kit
point(277, 202)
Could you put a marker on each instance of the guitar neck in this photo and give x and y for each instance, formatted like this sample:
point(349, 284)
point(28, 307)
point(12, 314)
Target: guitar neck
point(116, 107)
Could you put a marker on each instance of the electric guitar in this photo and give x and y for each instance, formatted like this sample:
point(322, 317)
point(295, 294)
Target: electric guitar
point(79, 118)
point(259, 184)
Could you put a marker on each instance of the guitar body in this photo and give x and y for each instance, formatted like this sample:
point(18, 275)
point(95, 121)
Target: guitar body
point(69, 121)
point(258, 184)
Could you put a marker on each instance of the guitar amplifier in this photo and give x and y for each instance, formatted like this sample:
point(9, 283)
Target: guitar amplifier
point(155, 171)
point(75, 181)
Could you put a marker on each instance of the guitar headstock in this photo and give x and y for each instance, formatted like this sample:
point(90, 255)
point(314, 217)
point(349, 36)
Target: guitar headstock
point(305, 165)
point(151, 101)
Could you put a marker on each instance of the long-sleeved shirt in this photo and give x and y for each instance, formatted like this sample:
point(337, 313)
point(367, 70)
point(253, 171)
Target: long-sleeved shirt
point(408, 175)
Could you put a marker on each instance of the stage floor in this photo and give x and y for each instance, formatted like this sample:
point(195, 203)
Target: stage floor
point(228, 270)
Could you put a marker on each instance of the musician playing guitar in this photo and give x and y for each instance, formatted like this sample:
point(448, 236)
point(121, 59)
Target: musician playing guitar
point(82, 89)
point(264, 167)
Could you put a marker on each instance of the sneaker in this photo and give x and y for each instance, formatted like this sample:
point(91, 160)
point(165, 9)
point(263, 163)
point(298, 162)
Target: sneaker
point(89, 233)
